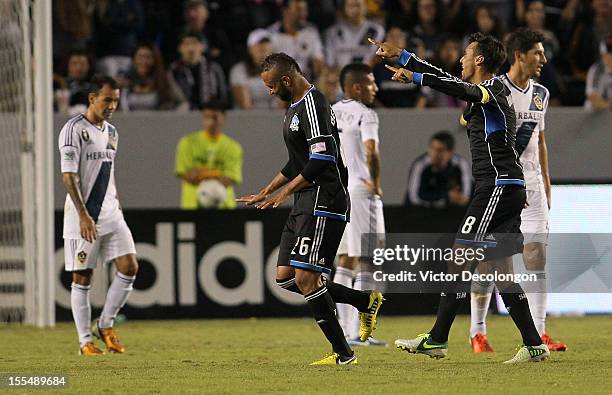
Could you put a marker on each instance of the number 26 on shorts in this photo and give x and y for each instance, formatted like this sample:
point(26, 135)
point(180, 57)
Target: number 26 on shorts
point(302, 244)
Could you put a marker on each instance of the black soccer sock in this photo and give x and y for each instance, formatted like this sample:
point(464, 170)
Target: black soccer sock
point(447, 311)
point(341, 294)
point(323, 310)
point(289, 284)
point(516, 302)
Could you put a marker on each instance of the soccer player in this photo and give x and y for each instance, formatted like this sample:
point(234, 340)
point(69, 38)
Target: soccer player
point(530, 103)
point(316, 176)
point(358, 131)
point(94, 228)
point(493, 217)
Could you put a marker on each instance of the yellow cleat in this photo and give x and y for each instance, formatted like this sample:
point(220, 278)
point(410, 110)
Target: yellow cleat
point(335, 359)
point(367, 321)
point(110, 338)
point(90, 349)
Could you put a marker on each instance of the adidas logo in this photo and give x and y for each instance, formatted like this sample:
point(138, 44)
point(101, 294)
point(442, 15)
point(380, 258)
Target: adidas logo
point(535, 352)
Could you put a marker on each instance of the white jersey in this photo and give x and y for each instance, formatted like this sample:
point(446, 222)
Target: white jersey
point(530, 105)
point(90, 152)
point(356, 124)
point(345, 43)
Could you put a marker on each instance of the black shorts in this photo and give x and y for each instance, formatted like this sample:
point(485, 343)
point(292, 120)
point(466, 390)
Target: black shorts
point(493, 220)
point(309, 242)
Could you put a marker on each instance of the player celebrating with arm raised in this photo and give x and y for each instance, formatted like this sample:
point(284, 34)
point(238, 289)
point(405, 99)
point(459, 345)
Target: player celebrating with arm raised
point(358, 131)
point(530, 103)
point(94, 228)
point(493, 217)
point(317, 178)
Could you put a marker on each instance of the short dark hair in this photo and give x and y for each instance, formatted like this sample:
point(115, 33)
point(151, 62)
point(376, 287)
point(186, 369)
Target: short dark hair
point(284, 62)
point(491, 49)
point(287, 2)
point(191, 34)
point(522, 39)
point(98, 81)
point(356, 70)
point(445, 138)
point(215, 105)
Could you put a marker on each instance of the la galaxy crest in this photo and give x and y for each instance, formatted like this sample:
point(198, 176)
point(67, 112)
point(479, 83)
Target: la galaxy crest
point(85, 135)
point(82, 257)
point(295, 123)
point(538, 102)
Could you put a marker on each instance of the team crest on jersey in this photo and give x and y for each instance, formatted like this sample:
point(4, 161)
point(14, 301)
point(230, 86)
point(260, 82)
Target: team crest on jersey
point(85, 135)
point(537, 101)
point(295, 123)
point(82, 257)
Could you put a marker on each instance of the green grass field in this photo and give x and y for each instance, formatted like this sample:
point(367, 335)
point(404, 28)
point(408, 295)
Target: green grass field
point(271, 356)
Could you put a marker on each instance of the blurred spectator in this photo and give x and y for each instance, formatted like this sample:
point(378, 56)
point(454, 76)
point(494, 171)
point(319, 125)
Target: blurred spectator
point(599, 80)
point(328, 84)
point(430, 25)
point(485, 21)
point(447, 58)
point(118, 24)
point(208, 154)
point(248, 90)
point(594, 27)
point(394, 93)
point(71, 91)
point(439, 178)
point(72, 27)
point(195, 79)
point(216, 43)
point(535, 18)
point(347, 41)
point(297, 38)
point(146, 86)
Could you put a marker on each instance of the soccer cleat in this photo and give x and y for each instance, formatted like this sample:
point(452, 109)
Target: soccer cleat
point(335, 359)
point(109, 338)
point(370, 342)
point(530, 354)
point(480, 343)
point(367, 320)
point(553, 345)
point(423, 344)
point(90, 349)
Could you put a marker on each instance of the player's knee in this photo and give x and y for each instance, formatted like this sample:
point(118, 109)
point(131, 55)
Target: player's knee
point(534, 256)
point(307, 281)
point(82, 277)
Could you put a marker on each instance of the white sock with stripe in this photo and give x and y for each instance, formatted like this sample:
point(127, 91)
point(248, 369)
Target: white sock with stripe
point(81, 311)
point(344, 276)
point(480, 300)
point(537, 301)
point(117, 295)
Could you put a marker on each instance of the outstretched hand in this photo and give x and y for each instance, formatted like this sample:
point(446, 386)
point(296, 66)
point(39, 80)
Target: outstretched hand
point(250, 200)
point(386, 50)
point(400, 74)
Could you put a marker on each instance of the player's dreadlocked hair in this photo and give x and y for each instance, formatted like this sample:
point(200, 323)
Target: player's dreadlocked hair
point(522, 40)
point(491, 49)
point(285, 63)
point(356, 71)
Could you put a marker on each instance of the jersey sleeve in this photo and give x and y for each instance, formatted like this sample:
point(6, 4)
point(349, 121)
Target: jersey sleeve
point(318, 132)
point(233, 163)
point(545, 110)
point(69, 143)
point(369, 126)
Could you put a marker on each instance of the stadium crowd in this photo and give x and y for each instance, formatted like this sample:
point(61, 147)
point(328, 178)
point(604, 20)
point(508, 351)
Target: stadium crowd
point(182, 54)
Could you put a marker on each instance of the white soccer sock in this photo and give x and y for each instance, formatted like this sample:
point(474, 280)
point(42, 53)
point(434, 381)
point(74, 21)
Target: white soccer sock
point(537, 301)
point(344, 276)
point(116, 297)
point(81, 311)
point(479, 304)
point(364, 281)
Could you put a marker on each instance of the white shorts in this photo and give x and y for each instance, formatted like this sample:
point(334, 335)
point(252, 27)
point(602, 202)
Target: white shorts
point(534, 218)
point(79, 254)
point(366, 218)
